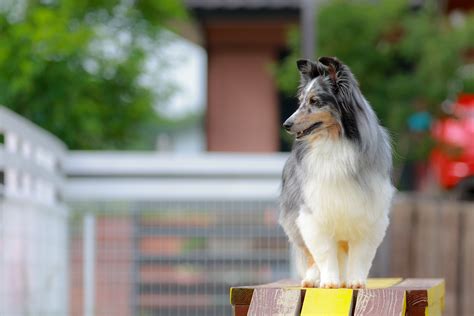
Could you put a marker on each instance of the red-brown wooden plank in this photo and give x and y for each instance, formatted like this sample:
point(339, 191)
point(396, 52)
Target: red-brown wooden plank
point(241, 310)
point(420, 291)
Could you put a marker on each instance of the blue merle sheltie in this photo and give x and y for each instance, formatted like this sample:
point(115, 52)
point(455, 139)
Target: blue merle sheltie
point(336, 188)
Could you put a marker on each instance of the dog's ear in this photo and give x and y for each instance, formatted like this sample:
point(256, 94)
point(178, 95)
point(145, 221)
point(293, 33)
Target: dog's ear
point(332, 73)
point(332, 65)
point(330, 61)
point(308, 69)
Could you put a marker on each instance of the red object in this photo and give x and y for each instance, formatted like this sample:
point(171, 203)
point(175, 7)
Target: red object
point(452, 160)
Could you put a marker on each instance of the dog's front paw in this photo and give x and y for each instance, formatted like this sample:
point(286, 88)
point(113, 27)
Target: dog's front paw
point(357, 284)
point(309, 283)
point(330, 283)
point(311, 278)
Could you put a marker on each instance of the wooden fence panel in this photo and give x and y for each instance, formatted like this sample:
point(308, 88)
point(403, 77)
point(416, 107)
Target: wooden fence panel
point(449, 253)
point(467, 261)
point(425, 243)
point(399, 236)
point(434, 238)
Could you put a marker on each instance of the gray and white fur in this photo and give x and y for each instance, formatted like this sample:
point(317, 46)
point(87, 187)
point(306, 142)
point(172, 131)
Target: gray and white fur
point(336, 188)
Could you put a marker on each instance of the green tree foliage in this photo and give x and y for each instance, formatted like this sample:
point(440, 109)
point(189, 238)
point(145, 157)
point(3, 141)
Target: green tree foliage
point(74, 67)
point(404, 59)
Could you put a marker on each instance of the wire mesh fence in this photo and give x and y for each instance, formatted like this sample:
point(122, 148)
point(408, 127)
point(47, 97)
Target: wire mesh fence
point(174, 257)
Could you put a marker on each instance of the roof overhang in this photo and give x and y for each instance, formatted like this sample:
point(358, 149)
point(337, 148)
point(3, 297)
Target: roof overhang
point(244, 9)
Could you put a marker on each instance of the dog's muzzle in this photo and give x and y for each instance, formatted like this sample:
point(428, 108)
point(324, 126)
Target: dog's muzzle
point(308, 130)
point(287, 125)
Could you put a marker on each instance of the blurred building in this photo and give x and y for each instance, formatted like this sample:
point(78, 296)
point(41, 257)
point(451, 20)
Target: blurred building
point(243, 38)
point(459, 4)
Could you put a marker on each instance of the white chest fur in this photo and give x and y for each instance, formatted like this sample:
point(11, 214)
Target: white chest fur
point(343, 200)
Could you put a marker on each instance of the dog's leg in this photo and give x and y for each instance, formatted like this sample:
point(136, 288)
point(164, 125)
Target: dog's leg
point(361, 254)
point(312, 276)
point(342, 260)
point(322, 248)
point(360, 257)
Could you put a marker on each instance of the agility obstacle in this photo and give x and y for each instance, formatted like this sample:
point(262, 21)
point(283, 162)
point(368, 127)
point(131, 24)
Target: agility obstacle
point(387, 297)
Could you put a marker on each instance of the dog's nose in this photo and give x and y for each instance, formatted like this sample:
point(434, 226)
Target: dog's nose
point(287, 125)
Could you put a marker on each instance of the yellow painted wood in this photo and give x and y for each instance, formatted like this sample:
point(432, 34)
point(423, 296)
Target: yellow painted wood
point(434, 309)
point(230, 295)
point(436, 294)
point(382, 283)
point(404, 308)
point(377, 283)
point(327, 302)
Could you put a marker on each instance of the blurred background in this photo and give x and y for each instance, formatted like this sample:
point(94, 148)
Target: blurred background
point(141, 145)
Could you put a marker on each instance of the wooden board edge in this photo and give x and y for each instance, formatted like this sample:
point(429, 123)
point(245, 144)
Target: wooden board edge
point(437, 292)
point(382, 283)
point(241, 292)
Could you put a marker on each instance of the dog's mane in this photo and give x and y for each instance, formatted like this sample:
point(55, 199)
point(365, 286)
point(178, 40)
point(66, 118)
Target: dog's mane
point(359, 122)
point(373, 139)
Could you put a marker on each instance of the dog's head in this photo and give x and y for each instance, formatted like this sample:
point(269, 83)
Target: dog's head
point(324, 107)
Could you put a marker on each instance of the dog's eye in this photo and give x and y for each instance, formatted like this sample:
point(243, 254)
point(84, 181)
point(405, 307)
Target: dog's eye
point(313, 101)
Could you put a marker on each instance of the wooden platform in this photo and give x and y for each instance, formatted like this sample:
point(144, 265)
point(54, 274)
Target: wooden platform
point(383, 297)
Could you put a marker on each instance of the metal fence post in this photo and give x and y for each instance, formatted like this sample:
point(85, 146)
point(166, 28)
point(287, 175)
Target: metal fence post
point(89, 264)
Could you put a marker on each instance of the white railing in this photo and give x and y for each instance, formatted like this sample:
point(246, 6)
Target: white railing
point(112, 176)
point(33, 221)
point(30, 160)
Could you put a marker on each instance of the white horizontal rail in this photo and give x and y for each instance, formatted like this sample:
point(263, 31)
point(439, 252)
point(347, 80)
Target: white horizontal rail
point(10, 121)
point(135, 176)
point(9, 160)
point(100, 189)
point(80, 163)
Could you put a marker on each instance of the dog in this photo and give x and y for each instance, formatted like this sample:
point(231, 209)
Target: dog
point(336, 184)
